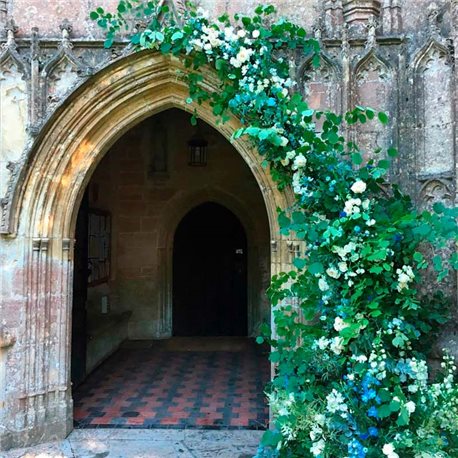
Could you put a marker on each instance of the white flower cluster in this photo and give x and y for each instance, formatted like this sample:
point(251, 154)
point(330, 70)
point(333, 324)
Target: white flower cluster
point(317, 435)
point(419, 370)
point(346, 250)
point(340, 324)
point(281, 404)
point(389, 451)
point(209, 39)
point(252, 82)
point(405, 276)
point(359, 358)
point(447, 386)
point(348, 253)
point(377, 362)
point(318, 447)
point(335, 344)
point(289, 156)
point(335, 403)
point(243, 56)
point(353, 206)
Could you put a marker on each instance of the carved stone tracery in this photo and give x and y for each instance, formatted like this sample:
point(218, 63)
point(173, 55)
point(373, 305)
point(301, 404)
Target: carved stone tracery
point(436, 190)
point(62, 71)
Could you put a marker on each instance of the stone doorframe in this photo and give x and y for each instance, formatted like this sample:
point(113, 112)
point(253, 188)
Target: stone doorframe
point(36, 401)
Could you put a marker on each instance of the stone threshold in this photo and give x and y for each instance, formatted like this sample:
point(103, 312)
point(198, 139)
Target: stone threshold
point(147, 443)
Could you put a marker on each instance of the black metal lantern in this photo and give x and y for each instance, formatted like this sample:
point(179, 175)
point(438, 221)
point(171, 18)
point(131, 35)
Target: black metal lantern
point(197, 151)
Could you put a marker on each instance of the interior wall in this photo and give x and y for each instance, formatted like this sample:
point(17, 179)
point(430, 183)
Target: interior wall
point(146, 184)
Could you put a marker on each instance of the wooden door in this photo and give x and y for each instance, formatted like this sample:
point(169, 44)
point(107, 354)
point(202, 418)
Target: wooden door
point(210, 274)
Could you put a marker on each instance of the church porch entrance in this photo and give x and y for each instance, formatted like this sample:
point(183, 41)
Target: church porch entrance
point(171, 265)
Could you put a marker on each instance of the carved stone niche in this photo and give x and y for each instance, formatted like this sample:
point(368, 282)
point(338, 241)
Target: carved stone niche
point(359, 11)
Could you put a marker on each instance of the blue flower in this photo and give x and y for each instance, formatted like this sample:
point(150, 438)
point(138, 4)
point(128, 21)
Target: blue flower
point(356, 449)
point(368, 394)
point(342, 214)
point(372, 412)
point(373, 431)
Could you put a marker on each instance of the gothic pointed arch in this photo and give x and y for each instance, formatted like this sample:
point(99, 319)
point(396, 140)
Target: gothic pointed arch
point(371, 61)
point(431, 70)
point(127, 91)
point(62, 71)
point(374, 86)
point(322, 85)
point(14, 108)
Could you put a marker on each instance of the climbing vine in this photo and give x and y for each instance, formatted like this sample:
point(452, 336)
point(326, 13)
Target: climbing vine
point(352, 326)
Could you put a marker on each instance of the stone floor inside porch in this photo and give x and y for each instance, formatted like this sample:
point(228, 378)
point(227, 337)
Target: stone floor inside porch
point(180, 383)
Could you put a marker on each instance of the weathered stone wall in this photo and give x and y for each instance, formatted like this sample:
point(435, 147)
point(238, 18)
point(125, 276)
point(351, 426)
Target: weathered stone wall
point(396, 55)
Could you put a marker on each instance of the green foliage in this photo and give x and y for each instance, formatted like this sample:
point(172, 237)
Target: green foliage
point(352, 326)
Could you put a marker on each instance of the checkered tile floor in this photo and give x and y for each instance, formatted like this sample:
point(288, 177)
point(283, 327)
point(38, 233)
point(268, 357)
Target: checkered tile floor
point(157, 387)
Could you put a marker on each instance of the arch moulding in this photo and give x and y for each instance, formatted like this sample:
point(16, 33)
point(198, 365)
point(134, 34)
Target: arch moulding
point(38, 406)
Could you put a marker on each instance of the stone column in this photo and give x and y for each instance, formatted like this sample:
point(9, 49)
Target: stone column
point(39, 402)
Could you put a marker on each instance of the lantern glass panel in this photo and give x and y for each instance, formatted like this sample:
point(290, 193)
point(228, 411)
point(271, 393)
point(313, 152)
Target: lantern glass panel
point(198, 152)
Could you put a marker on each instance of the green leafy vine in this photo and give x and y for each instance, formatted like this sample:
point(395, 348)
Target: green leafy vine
point(352, 326)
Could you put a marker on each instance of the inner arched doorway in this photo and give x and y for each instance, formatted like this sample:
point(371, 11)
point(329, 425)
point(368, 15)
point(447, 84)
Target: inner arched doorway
point(210, 274)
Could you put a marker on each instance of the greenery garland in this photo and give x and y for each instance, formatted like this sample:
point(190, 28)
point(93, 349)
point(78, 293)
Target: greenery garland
point(352, 328)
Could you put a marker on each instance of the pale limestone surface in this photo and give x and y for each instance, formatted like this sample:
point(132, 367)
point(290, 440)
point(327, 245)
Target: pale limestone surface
point(153, 443)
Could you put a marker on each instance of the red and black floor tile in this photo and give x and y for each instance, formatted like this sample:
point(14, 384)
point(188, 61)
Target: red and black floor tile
point(157, 388)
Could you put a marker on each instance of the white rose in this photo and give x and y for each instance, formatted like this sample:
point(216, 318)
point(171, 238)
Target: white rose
point(343, 267)
point(358, 187)
point(388, 449)
point(318, 447)
point(300, 161)
point(235, 62)
point(284, 141)
point(337, 345)
point(410, 406)
point(333, 272)
point(244, 54)
point(339, 324)
point(241, 33)
point(323, 284)
point(255, 33)
point(229, 33)
point(203, 13)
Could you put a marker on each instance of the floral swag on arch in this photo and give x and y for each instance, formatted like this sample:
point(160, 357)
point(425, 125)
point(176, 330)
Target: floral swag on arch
point(352, 328)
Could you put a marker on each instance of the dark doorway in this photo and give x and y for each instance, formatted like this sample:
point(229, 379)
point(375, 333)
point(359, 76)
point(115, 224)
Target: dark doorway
point(80, 283)
point(210, 274)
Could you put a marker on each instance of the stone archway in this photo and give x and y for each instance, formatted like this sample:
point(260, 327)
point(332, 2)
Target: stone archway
point(38, 403)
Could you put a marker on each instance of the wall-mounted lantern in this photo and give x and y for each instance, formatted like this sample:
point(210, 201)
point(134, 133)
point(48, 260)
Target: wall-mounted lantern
point(198, 150)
